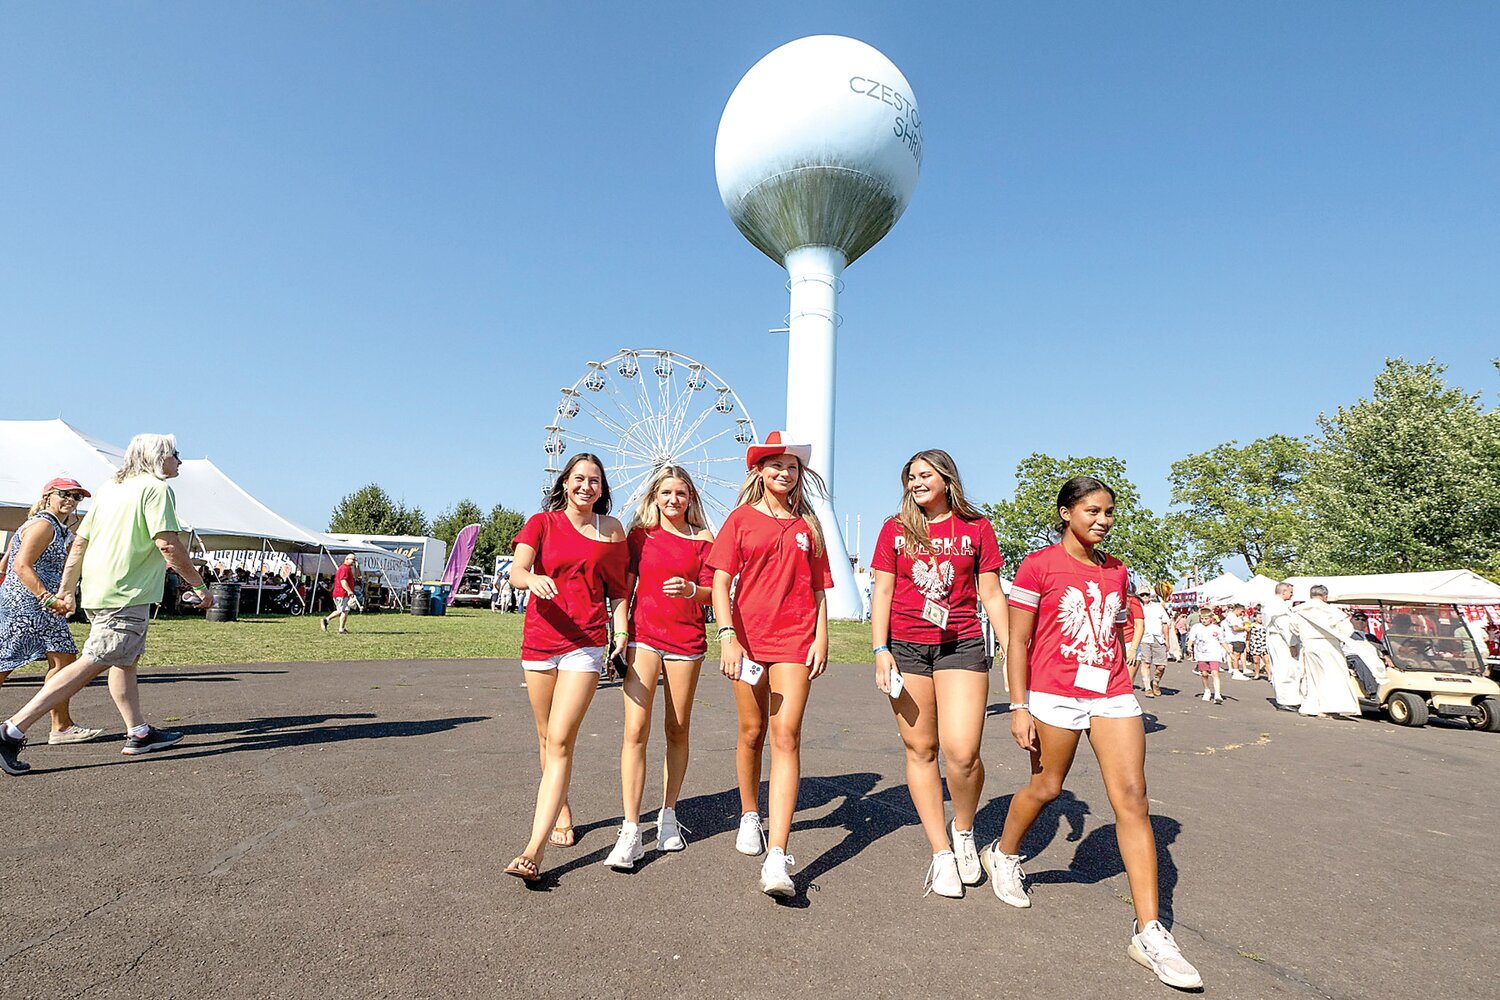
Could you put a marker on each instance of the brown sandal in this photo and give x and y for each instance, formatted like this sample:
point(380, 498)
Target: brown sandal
point(523, 868)
point(562, 836)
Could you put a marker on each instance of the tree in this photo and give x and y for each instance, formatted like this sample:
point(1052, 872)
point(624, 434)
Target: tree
point(1243, 502)
point(451, 520)
point(1024, 523)
point(371, 511)
point(1405, 480)
point(498, 535)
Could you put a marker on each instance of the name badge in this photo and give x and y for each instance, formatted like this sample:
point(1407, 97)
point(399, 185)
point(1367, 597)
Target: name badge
point(1095, 679)
point(935, 613)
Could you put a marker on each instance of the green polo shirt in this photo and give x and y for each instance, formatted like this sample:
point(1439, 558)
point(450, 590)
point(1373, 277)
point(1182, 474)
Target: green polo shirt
point(122, 566)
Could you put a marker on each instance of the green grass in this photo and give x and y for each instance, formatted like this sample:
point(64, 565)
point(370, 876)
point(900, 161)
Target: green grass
point(462, 633)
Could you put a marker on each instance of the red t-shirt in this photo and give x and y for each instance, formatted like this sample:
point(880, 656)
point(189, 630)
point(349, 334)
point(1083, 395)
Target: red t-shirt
point(671, 624)
point(585, 571)
point(343, 581)
point(775, 610)
point(1075, 650)
point(959, 552)
point(1134, 610)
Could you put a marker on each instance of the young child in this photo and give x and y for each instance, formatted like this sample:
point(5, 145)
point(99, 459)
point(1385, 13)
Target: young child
point(1206, 640)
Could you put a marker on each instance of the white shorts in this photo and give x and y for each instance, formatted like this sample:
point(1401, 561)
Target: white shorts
point(589, 658)
point(1075, 713)
point(341, 604)
point(663, 654)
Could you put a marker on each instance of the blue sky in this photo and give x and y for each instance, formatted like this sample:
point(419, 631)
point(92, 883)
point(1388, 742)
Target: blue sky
point(333, 244)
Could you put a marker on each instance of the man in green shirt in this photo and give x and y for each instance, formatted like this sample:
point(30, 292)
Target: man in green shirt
point(125, 544)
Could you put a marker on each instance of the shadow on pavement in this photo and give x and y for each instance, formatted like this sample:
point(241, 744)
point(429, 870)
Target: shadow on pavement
point(145, 676)
point(279, 734)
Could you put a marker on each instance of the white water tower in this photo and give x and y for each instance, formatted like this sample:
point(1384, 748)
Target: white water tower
point(817, 157)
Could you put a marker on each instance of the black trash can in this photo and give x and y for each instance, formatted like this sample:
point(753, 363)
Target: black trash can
point(421, 602)
point(226, 603)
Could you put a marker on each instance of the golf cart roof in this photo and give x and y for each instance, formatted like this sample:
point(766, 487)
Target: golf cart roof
point(1449, 586)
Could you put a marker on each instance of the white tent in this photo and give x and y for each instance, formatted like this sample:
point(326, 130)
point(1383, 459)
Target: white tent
point(1220, 590)
point(1448, 586)
point(224, 516)
point(35, 451)
point(1255, 591)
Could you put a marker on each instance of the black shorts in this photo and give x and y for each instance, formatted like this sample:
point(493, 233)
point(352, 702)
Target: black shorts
point(922, 658)
point(1238, 647)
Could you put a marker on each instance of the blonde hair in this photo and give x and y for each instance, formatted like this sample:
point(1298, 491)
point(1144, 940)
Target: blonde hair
point(754, 490)
point(147, 454)
point(41, 504)
point(648, 515)
point(912, 518)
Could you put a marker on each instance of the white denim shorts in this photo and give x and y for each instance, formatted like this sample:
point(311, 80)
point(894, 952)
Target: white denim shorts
point(663, 654)
point(1075, 713)
point(589, 658)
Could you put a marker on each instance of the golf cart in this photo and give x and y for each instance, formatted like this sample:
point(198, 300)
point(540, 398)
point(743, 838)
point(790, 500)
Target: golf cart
point(1427, 662)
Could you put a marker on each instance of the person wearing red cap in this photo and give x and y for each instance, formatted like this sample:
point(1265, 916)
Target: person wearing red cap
point(31, 627)
point(772, 542)
point(122, 550)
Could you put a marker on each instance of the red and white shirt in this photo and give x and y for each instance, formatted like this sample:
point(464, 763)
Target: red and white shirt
point(945, 572)
point(775, 603)
point(1075, 647)
point(585, 571)
point(670, 624)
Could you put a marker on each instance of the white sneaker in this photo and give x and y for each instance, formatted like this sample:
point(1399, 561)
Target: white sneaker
point(942, 876)
point(628, 849)
point(751, 840)
point(967, 854)
point(1156, 950)
point(1205, 696)
point(669, 832)
point(1006, 876)
point(775, 878)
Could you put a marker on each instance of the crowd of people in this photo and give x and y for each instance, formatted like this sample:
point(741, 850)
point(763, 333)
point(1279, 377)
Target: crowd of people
point(632, 598)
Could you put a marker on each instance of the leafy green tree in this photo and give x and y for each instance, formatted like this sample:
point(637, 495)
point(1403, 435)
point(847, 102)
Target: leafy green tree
point(1024, 522)
point(371, 511)
point(1242, 501)
point(451, 520)
point(1408, 479)
point(498, 535)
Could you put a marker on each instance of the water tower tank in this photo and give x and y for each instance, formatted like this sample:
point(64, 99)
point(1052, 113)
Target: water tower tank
point(819, 145)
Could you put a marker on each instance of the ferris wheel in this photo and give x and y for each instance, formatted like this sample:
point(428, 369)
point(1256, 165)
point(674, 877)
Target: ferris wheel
point(642, 409)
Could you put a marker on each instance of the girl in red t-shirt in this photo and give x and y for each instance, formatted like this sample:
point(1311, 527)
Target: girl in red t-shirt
point(572, 559)
point(934, 563)
point(777, 623)
point(670, 583)
point(1067, 676)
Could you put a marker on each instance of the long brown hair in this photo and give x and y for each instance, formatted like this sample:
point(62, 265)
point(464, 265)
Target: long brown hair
point(912, 518)
point(557, 496)
point(648, 515)
point(808, 482)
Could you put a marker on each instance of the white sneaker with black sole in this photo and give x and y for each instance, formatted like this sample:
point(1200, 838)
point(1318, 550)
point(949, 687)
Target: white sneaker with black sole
point(1155, 948)
point(969, 868)
point(1006, 876)
point(942, 876)
point(155, 739)
point(669, 832)
point(775, 874)
point(751, 839)
point(628, 849)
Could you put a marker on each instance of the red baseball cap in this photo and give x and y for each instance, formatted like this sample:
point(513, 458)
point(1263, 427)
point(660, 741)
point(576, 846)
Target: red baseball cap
point(63, 484)
point(775, 445)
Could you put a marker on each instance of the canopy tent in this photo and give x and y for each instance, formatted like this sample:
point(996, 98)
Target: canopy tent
point(224, 515)
point(35, 451)
point(1447, 586)
point(1255, 591)
point(1220, 590)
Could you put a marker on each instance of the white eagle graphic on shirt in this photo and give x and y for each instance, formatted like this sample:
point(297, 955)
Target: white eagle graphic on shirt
point(802, 540)
point(933, 581)
point(1089, 623)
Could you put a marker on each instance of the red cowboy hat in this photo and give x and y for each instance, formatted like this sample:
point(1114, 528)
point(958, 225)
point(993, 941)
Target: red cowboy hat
point(775, 445)
point(63, 484)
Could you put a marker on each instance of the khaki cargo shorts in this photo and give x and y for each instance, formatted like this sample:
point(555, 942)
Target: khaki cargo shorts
point(117, 636)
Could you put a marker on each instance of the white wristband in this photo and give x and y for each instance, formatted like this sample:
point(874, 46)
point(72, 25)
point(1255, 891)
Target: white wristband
point(694, 594)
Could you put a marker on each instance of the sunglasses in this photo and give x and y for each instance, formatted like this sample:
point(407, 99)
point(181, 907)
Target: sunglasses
point(71, 494)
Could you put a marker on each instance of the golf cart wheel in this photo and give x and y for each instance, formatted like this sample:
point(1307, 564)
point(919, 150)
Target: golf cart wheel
point(1488, 718)
point(1407, 709)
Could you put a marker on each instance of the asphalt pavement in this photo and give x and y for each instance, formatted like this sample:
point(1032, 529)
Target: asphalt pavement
point(339, 830)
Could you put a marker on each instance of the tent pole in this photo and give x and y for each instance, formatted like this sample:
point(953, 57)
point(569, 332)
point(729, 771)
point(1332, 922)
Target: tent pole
point(260, 585)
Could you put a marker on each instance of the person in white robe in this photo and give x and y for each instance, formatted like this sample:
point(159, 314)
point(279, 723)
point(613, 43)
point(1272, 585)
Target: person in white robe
point(1322, 629)
point(1286, 669)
